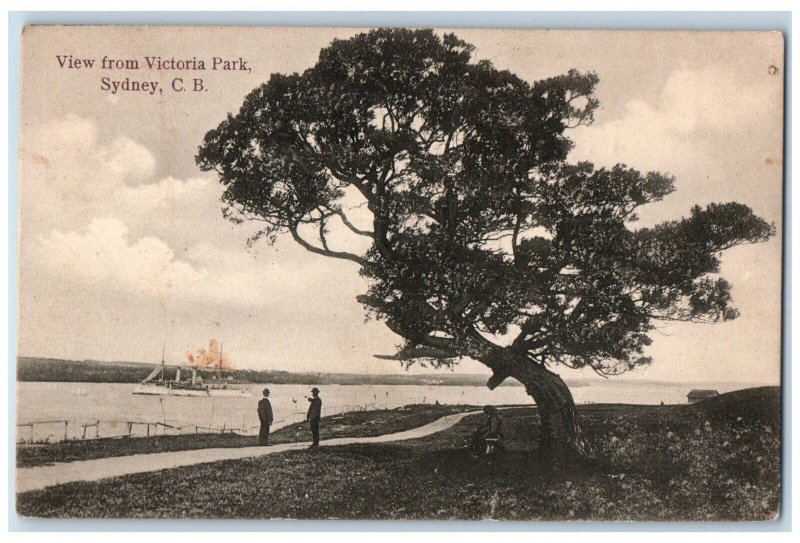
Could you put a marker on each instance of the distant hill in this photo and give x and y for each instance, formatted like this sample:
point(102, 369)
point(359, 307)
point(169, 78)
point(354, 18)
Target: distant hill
point(761, 405)
point(93, 371)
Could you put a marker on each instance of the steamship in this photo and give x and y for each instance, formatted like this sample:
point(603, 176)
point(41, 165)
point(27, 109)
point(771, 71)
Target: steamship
point(193, 381)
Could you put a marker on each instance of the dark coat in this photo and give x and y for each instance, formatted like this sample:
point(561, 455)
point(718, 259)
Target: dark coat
point(265, 411)
point(315, 409)
point(492, 427)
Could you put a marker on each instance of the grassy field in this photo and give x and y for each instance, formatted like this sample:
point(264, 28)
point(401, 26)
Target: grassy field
point(359, 423)
point(717, 460)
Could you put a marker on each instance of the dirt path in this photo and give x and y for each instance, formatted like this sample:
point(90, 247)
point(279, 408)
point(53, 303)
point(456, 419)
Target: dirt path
point(40, 477)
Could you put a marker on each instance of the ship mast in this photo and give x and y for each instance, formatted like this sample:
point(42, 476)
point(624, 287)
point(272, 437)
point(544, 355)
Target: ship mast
point(219, 364)
point(163, 349)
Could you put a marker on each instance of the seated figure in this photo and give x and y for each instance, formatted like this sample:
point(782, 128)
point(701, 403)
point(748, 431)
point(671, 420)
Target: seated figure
point(487, 438)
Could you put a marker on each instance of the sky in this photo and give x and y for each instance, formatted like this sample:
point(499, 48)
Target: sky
point(123, 248)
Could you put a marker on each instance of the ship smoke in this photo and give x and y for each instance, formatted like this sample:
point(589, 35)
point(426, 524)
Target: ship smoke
point(202, 358)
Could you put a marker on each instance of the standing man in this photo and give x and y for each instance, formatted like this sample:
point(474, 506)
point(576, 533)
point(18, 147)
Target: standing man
point(313, 416)
point(265, 417)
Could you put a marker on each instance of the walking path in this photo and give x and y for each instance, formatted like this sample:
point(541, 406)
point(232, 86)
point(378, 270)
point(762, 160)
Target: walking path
point(39, 477)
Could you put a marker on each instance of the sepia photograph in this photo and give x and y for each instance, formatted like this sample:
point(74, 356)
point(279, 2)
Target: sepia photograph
point(399, 274)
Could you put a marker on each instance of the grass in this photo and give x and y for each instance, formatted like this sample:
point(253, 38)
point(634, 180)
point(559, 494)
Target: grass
point(717, 460)
point(359, 423)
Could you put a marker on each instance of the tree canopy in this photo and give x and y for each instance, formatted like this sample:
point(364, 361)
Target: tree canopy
point(482, 232)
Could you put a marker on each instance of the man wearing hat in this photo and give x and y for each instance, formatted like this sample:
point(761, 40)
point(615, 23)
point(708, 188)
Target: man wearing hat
point(313, 416)
point(265, 416)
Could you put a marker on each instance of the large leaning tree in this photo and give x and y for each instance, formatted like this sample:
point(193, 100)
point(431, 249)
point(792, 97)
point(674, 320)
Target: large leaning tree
point(484, 242)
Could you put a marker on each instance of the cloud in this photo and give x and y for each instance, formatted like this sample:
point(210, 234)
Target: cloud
point(167, 191)
point(69, 146)
point(67, 170)
point(104, 256)
point(74, 184)
point(96, 213)
point(69, 176)
point(126, 160)
point(713, 101)
point(692, 108)
point(716, 135)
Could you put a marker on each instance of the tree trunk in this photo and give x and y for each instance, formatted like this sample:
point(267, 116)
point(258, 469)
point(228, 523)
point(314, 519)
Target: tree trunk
point(562, 435)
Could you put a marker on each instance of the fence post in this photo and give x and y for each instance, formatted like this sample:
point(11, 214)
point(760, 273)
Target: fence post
point(66, 424)
point(31, 432)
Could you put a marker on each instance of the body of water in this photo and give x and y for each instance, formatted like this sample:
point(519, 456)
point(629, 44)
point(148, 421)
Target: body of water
point(114, 405)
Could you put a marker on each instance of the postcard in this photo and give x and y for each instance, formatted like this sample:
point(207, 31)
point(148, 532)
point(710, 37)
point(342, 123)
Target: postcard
point(399, 274)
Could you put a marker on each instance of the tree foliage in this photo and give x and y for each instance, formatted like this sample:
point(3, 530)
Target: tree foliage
point(481, 230)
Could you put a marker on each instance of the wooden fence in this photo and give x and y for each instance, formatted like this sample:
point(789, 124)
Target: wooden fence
point(48, 431)
point(42, 431)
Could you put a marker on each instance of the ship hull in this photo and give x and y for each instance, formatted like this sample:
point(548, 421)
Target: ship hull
point(157, 390)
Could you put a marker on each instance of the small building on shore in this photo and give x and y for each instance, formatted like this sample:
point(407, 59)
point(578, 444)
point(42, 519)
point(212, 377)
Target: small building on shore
point(699, 395)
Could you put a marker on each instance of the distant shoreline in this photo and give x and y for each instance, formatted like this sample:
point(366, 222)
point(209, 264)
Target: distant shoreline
point(49, 370)
point(32, 369)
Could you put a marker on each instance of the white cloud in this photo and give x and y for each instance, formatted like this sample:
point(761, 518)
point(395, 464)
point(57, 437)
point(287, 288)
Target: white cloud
point(711, 100)
point(64, 148)
point(69, 176)
point(169, 189)
point(126, 160)
point(107, 258)
point(95, 213)
point(694, 109)
point(719, 137)
point(103, 255)
point(76, 188)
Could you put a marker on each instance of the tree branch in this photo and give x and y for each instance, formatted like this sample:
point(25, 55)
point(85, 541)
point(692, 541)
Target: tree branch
point(322, 235)
point(325, 252)
point(515, 236)
point(351, 226)
point(418, 352)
